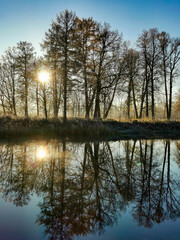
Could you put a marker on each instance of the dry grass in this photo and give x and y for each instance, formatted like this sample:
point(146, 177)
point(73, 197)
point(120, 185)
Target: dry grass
point(77, 127)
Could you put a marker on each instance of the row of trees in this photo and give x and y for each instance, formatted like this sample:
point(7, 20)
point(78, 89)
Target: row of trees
point(84, 188)
point(16, 78)
point(91, 68)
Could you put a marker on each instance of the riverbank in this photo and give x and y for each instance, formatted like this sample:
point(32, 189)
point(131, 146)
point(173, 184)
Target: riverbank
point(81, 128)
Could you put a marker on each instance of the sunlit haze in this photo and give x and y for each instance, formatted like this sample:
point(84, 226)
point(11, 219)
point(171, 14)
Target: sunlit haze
point(44, 76)
point(41, 153)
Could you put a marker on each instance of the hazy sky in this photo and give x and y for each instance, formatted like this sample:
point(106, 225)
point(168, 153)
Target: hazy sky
point(27, 20)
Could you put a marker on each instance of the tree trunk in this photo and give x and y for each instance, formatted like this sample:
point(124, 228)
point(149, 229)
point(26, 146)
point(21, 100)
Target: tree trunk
point(86, 95)
point(55, 105)
point(134, 99)
point(3, 106)
point(44, 96)
point(97, 114)
point(129, 100)
point(13, 92)
point(110, 104)
point(142, 100)
point(170, 96)
point(165, 85)
point(26, 98)
point(152, 95)
point(65, 81)
point(37, 98)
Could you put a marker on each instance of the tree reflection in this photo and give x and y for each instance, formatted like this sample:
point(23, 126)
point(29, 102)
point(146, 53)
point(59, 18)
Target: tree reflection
point(85, 187)
point(16, 178)
point(157, 196)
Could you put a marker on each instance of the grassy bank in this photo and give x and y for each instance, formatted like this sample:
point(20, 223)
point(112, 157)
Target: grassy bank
point(81, 128)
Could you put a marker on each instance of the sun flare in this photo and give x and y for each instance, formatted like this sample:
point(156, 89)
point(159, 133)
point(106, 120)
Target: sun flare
point(41, 153)
point(44, 76)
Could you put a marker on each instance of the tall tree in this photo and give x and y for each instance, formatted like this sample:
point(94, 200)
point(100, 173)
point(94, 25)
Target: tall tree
point(149, 47)
point(142, 44)
point(164, 41)
point(115, 80)
point(132, 72)
point(87, 33)
point(170, 58)
point(60, 43)
point(24, 61)
point(177, 103)
point(9, 81)
point(104, 59)
point(153, 59)
point(51, 49)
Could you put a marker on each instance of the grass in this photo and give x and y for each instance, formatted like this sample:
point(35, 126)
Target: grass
point(80, 128)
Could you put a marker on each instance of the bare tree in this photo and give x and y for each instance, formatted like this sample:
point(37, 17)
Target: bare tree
point(24, 60)
point(87, 33)
point(60, 46)
point(104, 59)
point(132, 73)
point(9, 81)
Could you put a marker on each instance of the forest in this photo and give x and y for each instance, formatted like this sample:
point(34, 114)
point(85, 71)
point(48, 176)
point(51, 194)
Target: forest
point(93, 73)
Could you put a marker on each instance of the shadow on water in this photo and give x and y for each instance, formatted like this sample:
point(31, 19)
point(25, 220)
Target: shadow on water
point(84, 188)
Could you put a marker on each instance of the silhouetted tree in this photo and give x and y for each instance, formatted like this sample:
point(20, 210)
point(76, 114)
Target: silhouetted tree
point(132, 74)
point(60, 46)
point(9, 81)
point(24, 61)
point(170, 51)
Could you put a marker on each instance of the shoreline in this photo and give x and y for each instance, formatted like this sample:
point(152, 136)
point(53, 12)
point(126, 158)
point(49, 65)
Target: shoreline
point(77, 129)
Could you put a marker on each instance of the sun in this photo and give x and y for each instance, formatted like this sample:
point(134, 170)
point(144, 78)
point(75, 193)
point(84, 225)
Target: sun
point(41, 153)
point(44, 76)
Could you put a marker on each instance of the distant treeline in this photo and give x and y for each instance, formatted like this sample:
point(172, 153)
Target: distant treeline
point(92, 69)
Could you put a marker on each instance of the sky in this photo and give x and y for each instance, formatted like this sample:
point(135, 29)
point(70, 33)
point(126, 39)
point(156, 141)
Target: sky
point(28, 20)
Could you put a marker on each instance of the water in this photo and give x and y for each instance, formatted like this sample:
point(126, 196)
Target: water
point(95, 190)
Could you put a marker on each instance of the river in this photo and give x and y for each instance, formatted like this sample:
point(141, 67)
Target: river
point(118, 190)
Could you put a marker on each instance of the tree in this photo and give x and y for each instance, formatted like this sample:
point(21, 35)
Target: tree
point(153, 59)
point(116, 77)
point(87, 34)
point(170, 52)
point(131, 74)
point(60, 46)
point(24, 61)
point(51, 48)
point(142, 44)
point(104, 62)
point(150, 52)
point(177, 103)
point(9, 81)
point(173, 69)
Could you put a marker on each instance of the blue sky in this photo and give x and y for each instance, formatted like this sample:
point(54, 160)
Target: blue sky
point(27, 20)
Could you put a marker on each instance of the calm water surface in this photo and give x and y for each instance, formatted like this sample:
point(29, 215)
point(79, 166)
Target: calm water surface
point(96, 190)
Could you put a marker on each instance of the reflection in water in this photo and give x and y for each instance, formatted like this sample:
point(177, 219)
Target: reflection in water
point(85, 187)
